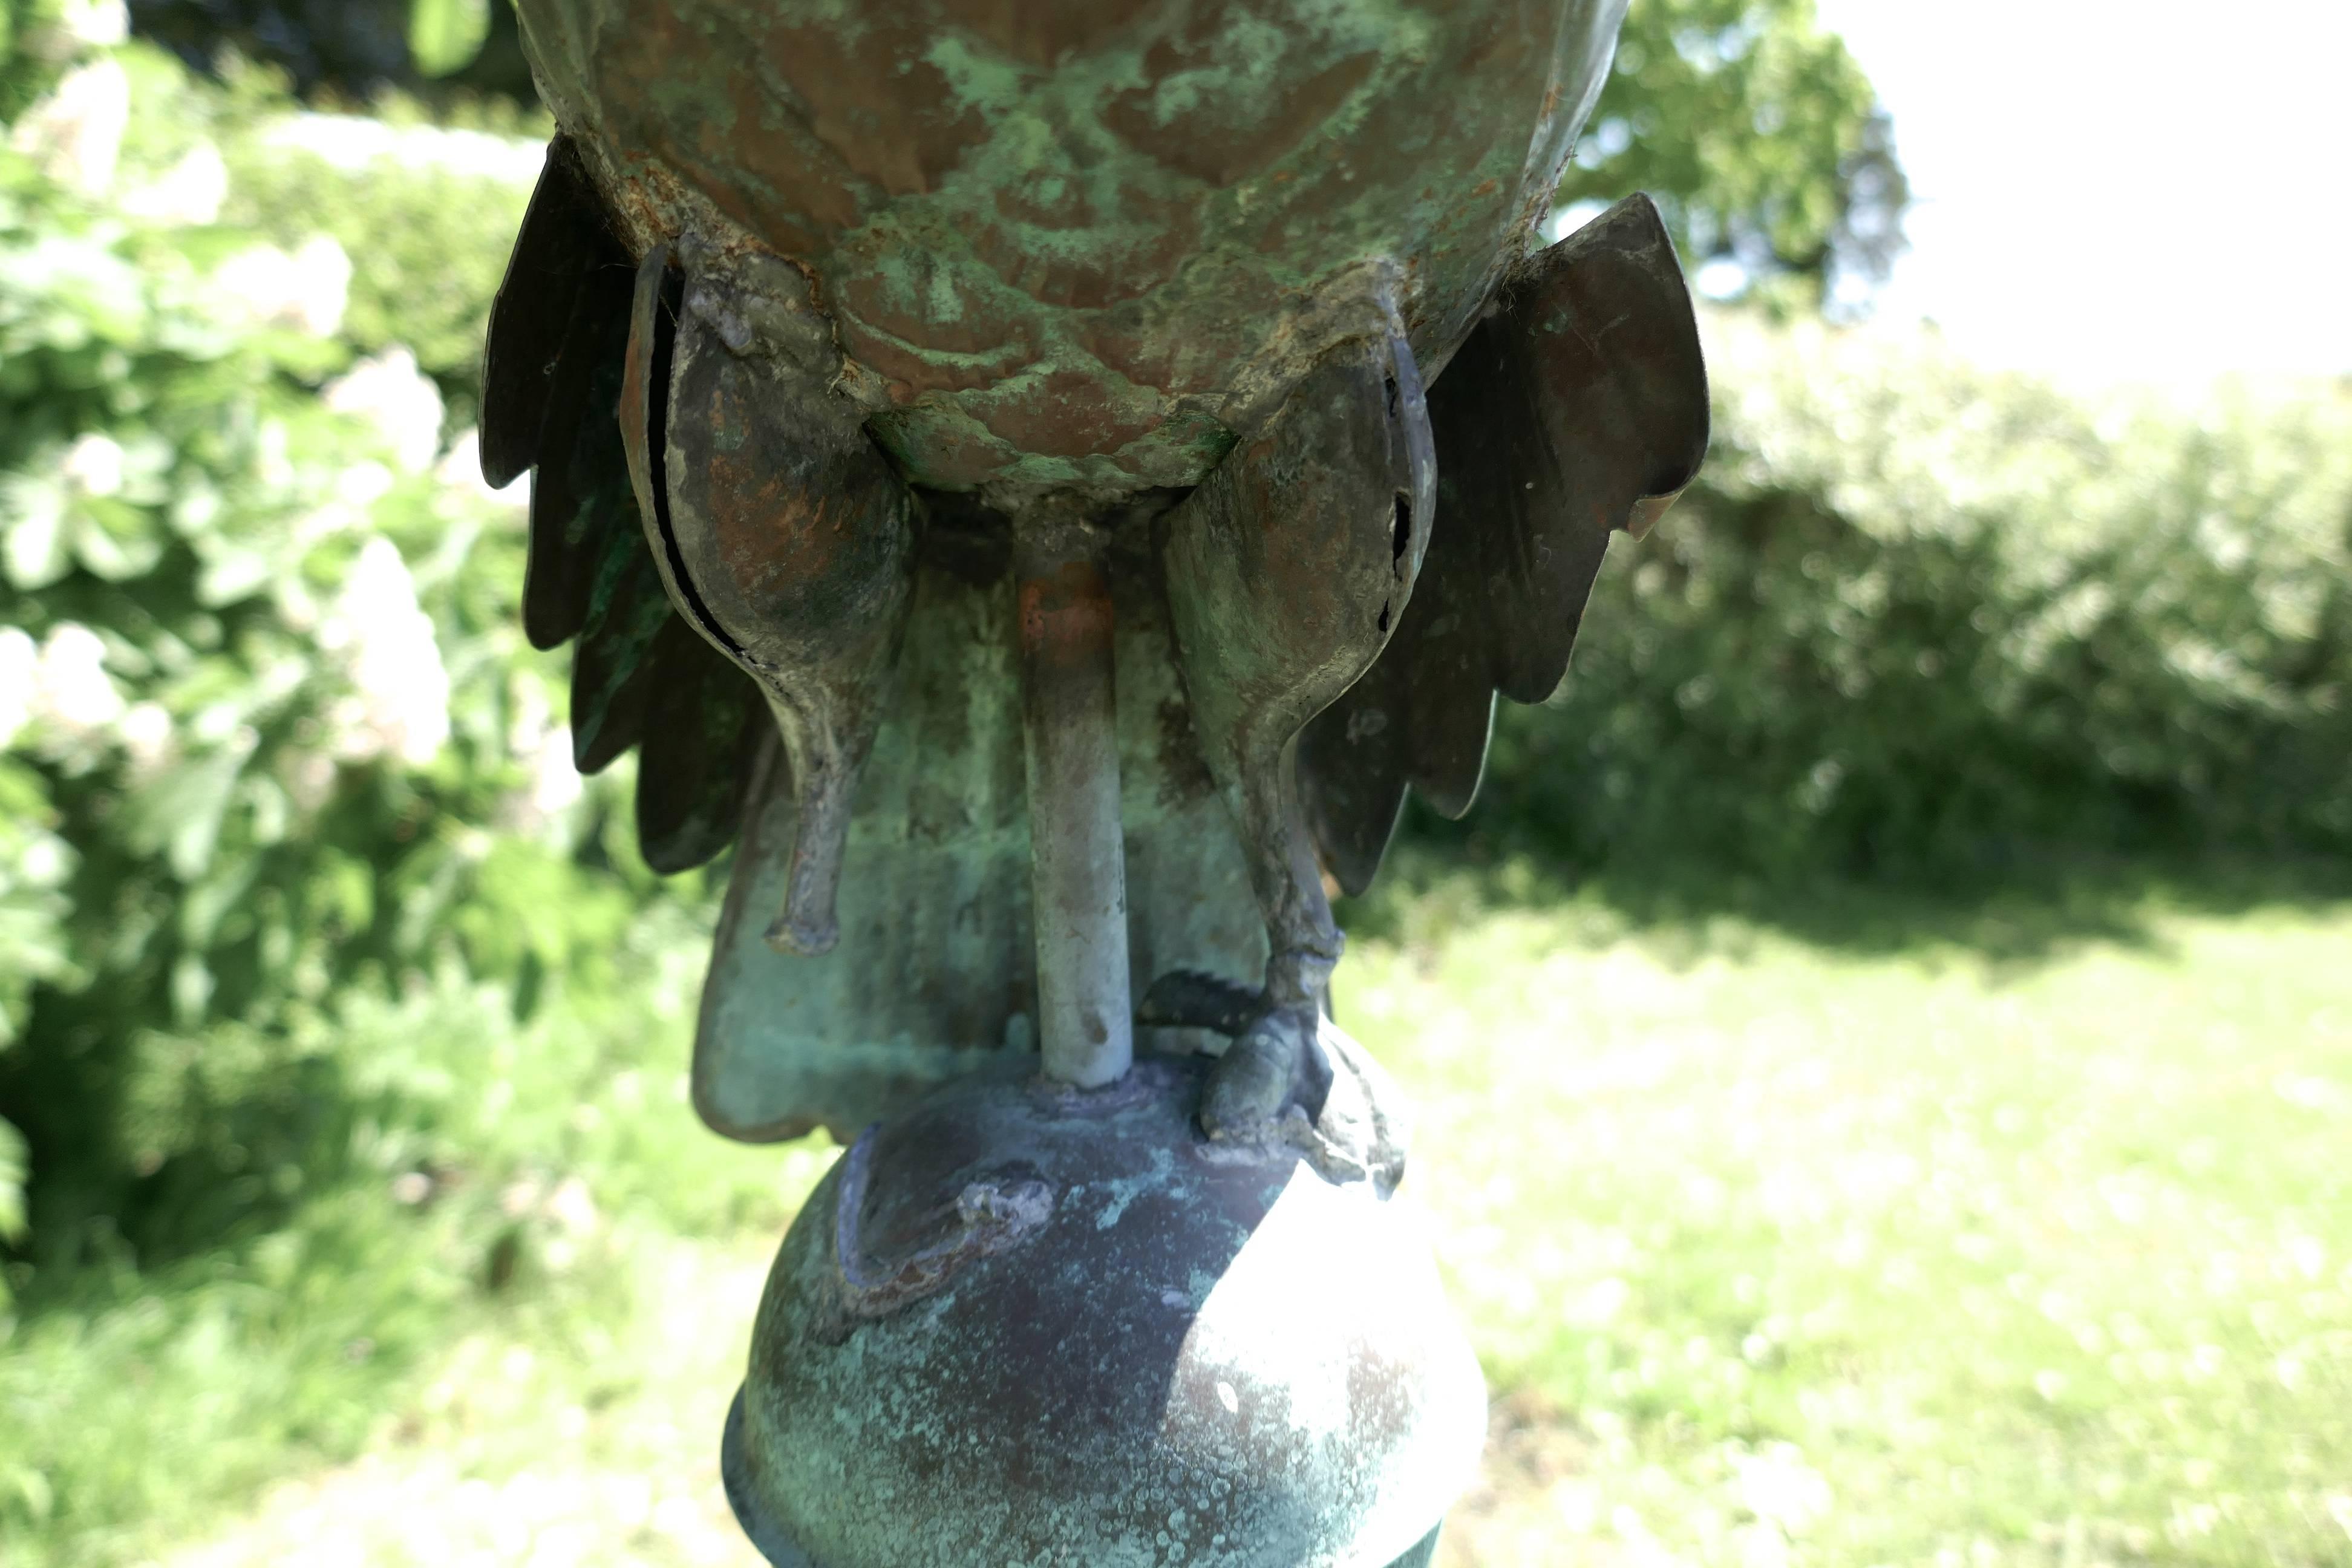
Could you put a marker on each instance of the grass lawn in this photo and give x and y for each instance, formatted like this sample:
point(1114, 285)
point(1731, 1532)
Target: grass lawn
point(1943, 1250)
point(1776, 1254)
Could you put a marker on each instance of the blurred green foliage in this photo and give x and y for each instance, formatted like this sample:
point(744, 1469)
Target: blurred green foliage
point(434, 1168)
point(427, 236)
point(320, 970)
point(348, 51)
point(1918, 620)
point(1761, 140)
point(274, 742)
point(444, 35)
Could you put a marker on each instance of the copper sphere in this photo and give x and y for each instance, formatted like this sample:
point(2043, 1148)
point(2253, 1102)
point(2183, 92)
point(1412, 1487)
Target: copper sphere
point(1024, 1324)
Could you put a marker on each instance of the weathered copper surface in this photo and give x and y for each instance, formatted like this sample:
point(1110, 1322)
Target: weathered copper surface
point(1077, 853)
point(1085, 243)
point(1286, 572)
point(937, 898)
point(779, 532)
point(580, 496)
point(1019, 1323)
point(1577, 409)
point(551, 386)
point(1057, 473)
point(692, 787)
point(566, 254)
point(1131, 261)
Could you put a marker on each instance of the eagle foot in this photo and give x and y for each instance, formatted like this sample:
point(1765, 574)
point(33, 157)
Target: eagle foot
point(1291, 1075)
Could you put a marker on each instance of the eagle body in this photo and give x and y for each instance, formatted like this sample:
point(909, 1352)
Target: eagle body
point(824, 308)
point(1085, 243)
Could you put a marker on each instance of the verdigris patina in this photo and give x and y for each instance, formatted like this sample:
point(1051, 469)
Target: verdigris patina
point(1048, 478)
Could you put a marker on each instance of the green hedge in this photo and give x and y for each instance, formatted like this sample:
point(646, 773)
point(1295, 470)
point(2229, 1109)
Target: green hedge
point(1920, 619)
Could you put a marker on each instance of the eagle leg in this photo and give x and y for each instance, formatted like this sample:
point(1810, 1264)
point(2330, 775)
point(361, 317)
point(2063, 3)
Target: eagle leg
point(1287, 570)
point(781, 533)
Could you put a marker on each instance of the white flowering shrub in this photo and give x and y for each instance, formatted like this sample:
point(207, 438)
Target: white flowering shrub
point(269, 736)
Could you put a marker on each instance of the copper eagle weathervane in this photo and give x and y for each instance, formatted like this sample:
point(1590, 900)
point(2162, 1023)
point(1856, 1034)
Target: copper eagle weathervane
point(1048, 478)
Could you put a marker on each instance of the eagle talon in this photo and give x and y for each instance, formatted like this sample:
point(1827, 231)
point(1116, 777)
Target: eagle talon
point(1258, 1078)
point(1276, 1066)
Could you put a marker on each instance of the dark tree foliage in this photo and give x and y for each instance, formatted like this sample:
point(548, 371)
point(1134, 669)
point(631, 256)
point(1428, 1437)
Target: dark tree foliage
point(1761, 139)
point(346, 48)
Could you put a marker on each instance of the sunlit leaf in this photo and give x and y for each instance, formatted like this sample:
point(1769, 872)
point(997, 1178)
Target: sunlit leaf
point(11, 1188)
point(444, 35)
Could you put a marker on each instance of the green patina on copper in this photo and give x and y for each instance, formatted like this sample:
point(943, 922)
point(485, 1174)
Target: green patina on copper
point(1096, 1341)
point(939, 894)
point(1164, 282)
point(1078, 246)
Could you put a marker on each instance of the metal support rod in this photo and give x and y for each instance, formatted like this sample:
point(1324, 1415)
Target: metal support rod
point(1078, 855)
